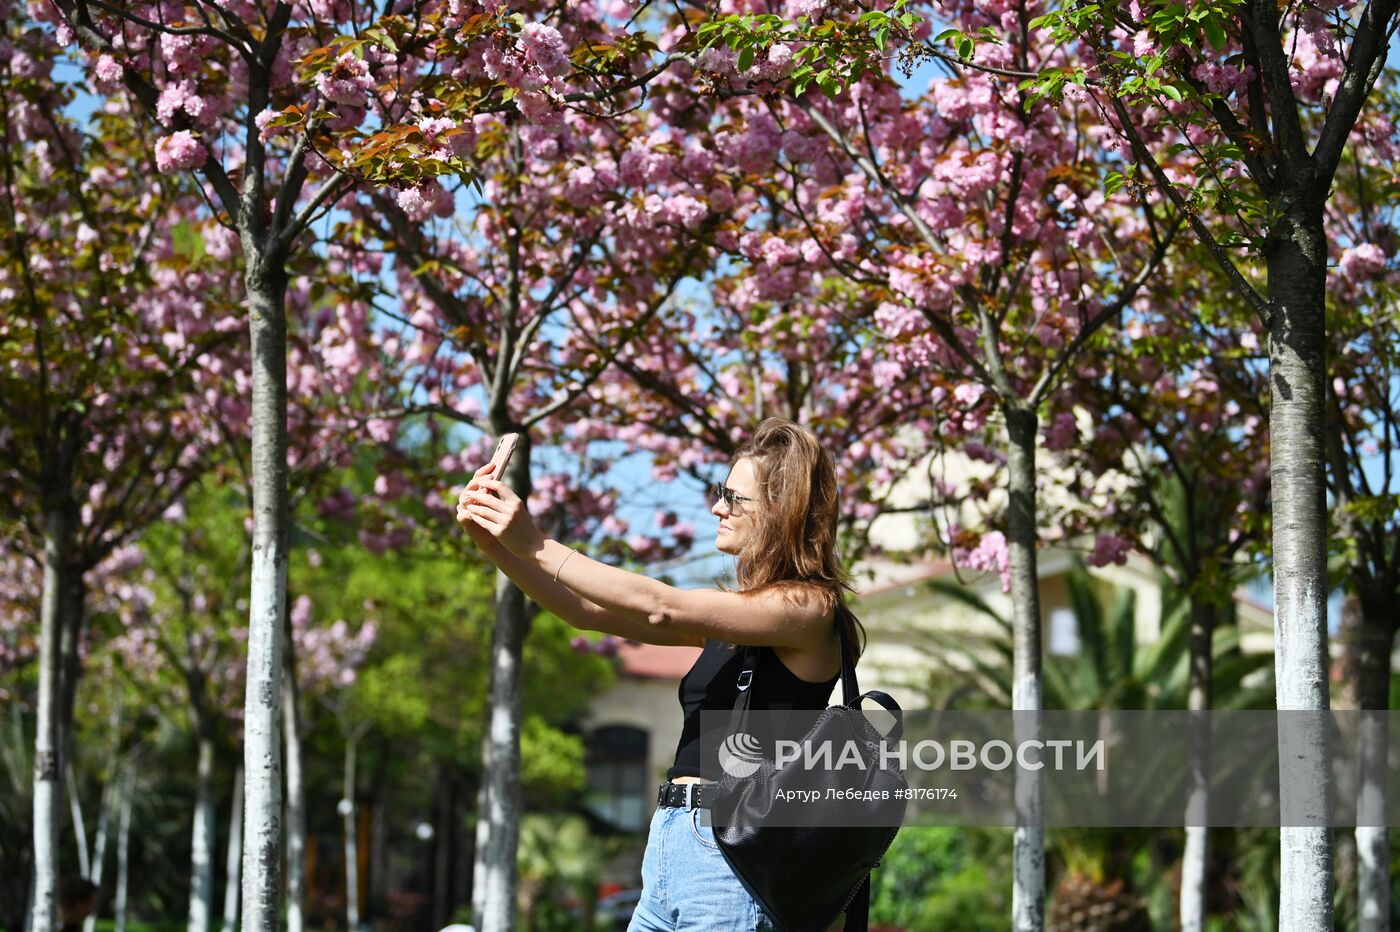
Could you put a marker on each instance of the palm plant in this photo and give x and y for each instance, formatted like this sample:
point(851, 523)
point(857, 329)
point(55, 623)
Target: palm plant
point(1112, 670)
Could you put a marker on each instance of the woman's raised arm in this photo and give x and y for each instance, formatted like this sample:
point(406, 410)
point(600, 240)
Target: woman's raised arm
point(561, 601)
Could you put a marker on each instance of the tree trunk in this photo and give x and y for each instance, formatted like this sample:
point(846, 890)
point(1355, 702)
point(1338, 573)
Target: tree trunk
point(1028, 893)
point(1375, 642)
point(234, 859)
point(1348, 699)
point(498, 820)
point(296, 794)
point(1297, 257)
point(1198, 699)
point(352, 847)
point(99, 847)
point(202, 838)
point(58, 529)
point(262, 837)
point(72, 604)
point(123, 836)
point(75, 811)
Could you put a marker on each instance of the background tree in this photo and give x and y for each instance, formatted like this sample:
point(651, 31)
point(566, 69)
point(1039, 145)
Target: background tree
point(1363, 396)
point(975, 218)
point(99, 434)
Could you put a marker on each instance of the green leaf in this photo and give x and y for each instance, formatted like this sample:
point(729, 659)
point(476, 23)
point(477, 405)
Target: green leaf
point(746, 58)
point(966, 47)
point(1215, 35)
point(1171, 91)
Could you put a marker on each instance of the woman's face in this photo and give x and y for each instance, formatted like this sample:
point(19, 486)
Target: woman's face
point(734, 528)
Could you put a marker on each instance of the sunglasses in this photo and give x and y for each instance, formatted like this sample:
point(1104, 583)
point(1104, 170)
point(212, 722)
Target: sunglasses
point(719, 491)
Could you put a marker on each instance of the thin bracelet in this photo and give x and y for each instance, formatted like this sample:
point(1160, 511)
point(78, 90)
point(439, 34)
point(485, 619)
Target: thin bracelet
point(562, 562)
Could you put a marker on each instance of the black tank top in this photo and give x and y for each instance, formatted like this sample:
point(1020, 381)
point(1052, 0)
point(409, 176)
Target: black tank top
point(713, 684)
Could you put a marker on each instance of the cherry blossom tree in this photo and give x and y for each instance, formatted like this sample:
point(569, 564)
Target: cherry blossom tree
point(1173, 463)
point(1238, 114)
point(329, 658)
point(976, 216)
point(1261, 103)
point(101, 387)
point(509, 320)
point(1362, 438)
point(184, 636)
point(269, 147)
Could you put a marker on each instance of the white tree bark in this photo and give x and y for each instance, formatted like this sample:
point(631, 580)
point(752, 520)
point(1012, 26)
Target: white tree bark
point(1296, 273)
point(202, 839)
point(352, 841)
point(57, 531)
point(1028, 857)
point(296, 796)
point(1373, 891)
point(1192, 898)
point(75, 809)
point(498, 819)
point(262, 763)
point(99, 847)
point(498, 825)
point(123, 837)
point(234, 859)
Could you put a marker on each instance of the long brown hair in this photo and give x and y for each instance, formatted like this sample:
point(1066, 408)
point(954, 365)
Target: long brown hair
point(792, 544)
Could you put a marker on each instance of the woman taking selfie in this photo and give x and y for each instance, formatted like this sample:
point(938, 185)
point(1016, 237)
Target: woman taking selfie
point(777, 513)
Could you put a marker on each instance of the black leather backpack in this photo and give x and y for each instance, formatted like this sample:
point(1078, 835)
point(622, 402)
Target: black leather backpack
point(804, 876)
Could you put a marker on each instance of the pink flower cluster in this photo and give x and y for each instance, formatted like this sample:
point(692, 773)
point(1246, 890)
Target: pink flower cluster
point(990, 555)
point(1109, 548)
point(1362, 263)
point(347, 81)
point(1062, 433)
point(544, 48)
point(182, 97)
point(179, 151)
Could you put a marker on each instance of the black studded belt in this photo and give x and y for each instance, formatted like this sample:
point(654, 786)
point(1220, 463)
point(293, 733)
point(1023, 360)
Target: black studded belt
point(689, 795)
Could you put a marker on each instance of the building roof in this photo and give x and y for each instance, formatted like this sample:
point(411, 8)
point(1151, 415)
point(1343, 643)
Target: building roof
point(655, 661)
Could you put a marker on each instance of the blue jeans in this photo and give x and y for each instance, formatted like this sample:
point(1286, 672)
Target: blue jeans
point(687, 883)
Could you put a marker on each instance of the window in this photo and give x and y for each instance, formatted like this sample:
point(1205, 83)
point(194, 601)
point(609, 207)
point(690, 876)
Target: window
point(1064, 632)
point(616, 765)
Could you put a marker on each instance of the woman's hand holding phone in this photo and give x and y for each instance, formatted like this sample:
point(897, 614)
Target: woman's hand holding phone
point(489, 505)
point(478, 532)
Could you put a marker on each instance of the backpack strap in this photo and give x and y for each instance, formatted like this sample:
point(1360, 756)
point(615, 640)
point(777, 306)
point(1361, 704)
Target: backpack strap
point(745, 684)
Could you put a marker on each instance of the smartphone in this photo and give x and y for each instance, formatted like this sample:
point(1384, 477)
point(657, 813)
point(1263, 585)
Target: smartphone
point(504, 448)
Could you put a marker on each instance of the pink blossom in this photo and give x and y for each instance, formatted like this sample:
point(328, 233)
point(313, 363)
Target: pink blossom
point(990, 555)
point(1363, 262)
point(107, 70)
point(1109, 548)
point(347, 80)
point(968, 393)
point(544, 48)
point(179, 151)
point(178, 97)
point(1062, 433)
point(412, 202)
point(537, 107)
